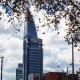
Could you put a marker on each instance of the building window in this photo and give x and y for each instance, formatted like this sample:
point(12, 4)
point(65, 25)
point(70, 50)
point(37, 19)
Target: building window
point(36, 78)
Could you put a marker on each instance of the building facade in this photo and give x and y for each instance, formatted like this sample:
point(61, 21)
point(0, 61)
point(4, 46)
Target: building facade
point(54, 76)
point(19, 72)
point(34, 76)
point(32, 46)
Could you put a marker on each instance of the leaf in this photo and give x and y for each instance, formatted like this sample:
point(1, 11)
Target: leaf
point(43, 33)
point(0, 13)
point(0, 18)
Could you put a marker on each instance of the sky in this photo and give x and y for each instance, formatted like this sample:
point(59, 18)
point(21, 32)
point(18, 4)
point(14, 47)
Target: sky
point(55, 50)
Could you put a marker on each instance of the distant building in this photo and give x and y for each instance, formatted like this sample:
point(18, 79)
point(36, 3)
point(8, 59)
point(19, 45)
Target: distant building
point(19, 72)
point(54, 76)
point(59, 76)
point(33, 52)
point(34, 76)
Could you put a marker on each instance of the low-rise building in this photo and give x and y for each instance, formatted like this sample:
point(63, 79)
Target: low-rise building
point(54, 76)
point(34, 76)
point(19, 72)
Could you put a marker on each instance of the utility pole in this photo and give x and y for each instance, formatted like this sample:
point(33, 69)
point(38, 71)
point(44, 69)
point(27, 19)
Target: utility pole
point(1, 65)
point(72, 59)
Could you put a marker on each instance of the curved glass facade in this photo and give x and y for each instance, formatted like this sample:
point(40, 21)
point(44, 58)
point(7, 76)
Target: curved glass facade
point(33, 56)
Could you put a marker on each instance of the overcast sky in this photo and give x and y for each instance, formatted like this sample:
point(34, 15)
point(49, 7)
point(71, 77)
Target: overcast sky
point(56, 51)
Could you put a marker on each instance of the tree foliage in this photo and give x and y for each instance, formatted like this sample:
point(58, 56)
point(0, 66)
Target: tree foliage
point(68, 9)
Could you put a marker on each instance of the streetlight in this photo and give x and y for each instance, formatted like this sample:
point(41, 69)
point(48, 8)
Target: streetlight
point(68, 67)
point(1, 65)
point(61, 68)
point(62, 71)
point(76, 38)
point(72, 57)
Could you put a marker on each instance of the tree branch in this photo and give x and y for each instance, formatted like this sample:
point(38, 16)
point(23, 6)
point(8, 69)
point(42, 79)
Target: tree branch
point(74, 4)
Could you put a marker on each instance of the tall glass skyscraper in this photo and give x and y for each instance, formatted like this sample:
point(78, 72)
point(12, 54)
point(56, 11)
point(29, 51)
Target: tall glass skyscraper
point(33, 52)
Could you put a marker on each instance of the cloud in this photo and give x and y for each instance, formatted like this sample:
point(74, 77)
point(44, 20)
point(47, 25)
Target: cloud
point(12, 56)
point(57, 51)
point(11, 47)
